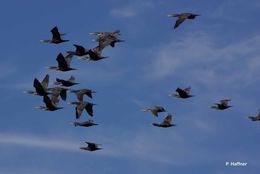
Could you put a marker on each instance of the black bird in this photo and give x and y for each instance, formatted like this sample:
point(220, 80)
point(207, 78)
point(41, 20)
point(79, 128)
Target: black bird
point(81, 92)
point(88, 123)
point(62, 92)
point(182, 17)
point(56, 37)
point(222, 105)
point(182, 93)
point(94, 55)
point(40, 87)
point(80, 51)
point(255, 118)
point(155, 110)
point(167, 122)
point(91, 147)
point(67, 83)
point(50, 104)
point(81, 106)
point(63, 63)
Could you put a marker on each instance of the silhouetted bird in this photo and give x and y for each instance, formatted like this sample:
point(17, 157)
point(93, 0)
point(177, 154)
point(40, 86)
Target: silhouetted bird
point(81, 92)
point(222, 105)
point(155, 110)
point(67, 83)
point(62, 92)
point(50, 104)
point(167, 122)
point(182, 17)
point(182, 93)
point(56, 37)
point(91, 147)
point(107, 38)
point(255, 118)
point(80, 51)
point(40, 87)
point(88, 123)
point(63, 63)
point(93, 55)
point(81, 106)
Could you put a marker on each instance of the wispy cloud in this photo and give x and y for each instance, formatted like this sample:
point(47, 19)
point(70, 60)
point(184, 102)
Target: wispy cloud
point(33, 141)
point(198, 59)
point(126, 12)
point(132, 9)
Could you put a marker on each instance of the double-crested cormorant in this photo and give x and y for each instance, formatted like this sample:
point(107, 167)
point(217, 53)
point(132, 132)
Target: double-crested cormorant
point(222, 105)
point(67, 83)
point(81, 106)
point(167, 122)
point(81, 92)
point(91, 147)
point(155, 110)
point(182, 93)
point(56, 37)
point(88, 123)
point(182, 17)
point(63, 63)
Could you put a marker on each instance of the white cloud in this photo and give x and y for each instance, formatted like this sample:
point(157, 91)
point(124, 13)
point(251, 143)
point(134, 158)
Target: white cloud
point(197, 58)
point(124, 12)
point(132, 9)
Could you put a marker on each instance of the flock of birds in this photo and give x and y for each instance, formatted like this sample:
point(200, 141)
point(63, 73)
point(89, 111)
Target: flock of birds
point(51, 96)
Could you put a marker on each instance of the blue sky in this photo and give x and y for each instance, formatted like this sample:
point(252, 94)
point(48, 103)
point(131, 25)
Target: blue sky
point(217, 55)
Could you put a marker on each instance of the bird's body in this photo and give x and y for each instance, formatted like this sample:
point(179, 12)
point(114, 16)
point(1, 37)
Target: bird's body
point(80, 106)
point(182, 93)
point(94, 55)
point(50, 104)
point(66, 83)
point(80, 51)
point(81, 92)
point(62, 92)
point(107, 38)
point(40, 87)
point(182, 17)
point(56, 37)
point(91, 147)
point(88, 123)
point(167, 122)
point(63, 63)
point(155, 110)
point(224, 104)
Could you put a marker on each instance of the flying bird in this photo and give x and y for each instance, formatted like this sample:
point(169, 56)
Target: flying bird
point(80, 51)
point(50, 104)
point(93, 55)
point(58, 91)
point(88, 123)
point(66, 83)
point(255, 118)
point(56, 37)
point(224, 104)
point(155, 110)
point(40, 87)
point(182, 17)
point(63, 63)
point(182, 93)
point(167, 122)
point(81, 92)
point(91, 147)
point(80, 106)
point(107, 38)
